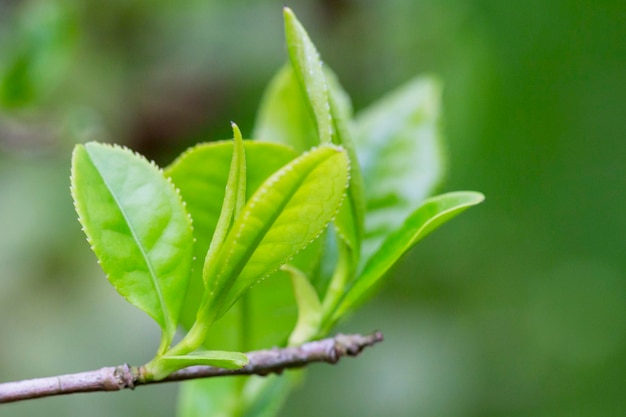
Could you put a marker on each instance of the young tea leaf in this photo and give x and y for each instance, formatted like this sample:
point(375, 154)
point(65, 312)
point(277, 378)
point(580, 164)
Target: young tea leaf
point(430, 215)
point(234, 198)
point(138, 228)
point(287, 212)
point(308, 68)
point(201, 174)
point(329, 103)
point(400, 151)
point(284, 115)
point(351, 216)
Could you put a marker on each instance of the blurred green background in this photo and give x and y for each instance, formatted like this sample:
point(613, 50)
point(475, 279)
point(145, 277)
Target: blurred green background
point(518, 308)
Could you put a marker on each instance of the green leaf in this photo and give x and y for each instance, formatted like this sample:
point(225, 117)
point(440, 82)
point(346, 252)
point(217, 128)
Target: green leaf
point(201, 175)
point(329, 102)
point(287, 212)
point(138, 228)
point(308, 68)
point(431, 214)
point(400, 151)
point(309, 307)
point(350, 219)
point(284, 115)
point(217, 358)
point(234, 200)
point(286, 95)
point(165, 365)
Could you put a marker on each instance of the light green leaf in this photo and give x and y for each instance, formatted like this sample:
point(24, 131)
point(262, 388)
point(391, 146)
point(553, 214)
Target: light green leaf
point(399, 147)
point(138, 228)
point(431, 214)
point(201, 175)
point(287, 96)
point(330, 102)
point(350, 219)
point(284, 115)
point(287, 212)
point(308, 68)
point(165, 365)
point(309, 307)
point(234, 199)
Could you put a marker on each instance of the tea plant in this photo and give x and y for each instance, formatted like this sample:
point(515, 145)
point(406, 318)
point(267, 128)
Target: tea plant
point(249, 244)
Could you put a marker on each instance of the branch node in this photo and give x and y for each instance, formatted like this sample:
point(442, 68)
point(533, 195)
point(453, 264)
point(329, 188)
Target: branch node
point(125, 376)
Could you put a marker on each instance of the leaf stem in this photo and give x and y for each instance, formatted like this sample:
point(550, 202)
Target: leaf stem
point(337, 286)
point(244, 328)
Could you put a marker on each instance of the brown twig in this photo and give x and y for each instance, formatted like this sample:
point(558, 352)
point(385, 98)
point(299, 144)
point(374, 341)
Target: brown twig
point(262, 362)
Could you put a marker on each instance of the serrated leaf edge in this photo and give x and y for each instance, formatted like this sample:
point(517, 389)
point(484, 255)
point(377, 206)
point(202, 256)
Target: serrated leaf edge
point(163, 305)
point(275, 178)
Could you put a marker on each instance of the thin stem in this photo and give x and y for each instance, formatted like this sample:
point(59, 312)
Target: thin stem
point(262, 362)
point(245, 329)
point(196, 335)
point(337, 286)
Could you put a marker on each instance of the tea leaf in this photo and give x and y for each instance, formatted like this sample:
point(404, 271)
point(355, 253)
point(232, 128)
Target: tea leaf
point(138, 228)
point(284, 115)
point(430, 215)
point(234, 199)
point(400, 151)
point(350, 219)
point(308, 69)
point(201, 175)
point(287, 212)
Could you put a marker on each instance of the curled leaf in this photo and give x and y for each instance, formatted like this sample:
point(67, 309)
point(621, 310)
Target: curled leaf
point(286, 213)
point(201, 174)
point(308, 68)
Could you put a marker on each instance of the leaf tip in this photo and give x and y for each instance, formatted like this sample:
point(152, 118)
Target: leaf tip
point(236, 132)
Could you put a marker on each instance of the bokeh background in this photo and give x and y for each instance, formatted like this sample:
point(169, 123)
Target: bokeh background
point(517, 308)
